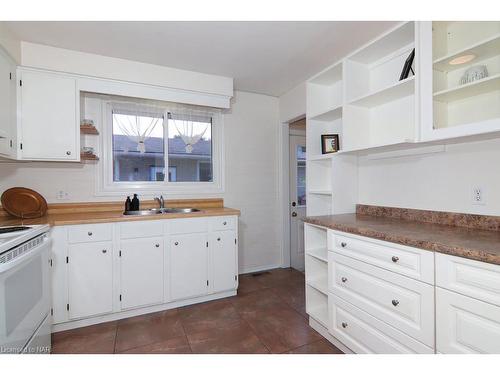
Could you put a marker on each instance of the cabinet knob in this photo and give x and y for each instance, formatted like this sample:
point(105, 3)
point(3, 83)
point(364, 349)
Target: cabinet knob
point(68, 153)
point(224, 223)
point(104, 251)
point(157, 245)
point(89, 233)
point(344, 325)
point(343, 244)
point(395, 259)
point(395, 302)
point(176, 243)
point(344, 279)
point(218, 238)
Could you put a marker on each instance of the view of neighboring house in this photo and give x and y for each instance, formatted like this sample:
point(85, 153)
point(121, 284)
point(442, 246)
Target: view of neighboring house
point(131, 165)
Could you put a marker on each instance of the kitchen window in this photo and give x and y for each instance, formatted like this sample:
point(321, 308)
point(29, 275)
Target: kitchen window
point(160, 148)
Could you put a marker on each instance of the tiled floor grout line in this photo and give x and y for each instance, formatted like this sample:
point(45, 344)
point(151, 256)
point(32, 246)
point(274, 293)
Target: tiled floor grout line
point(251, 328)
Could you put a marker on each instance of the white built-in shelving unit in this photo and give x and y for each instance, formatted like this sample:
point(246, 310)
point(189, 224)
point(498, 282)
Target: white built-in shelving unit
point(316, 266)
point(450, 110)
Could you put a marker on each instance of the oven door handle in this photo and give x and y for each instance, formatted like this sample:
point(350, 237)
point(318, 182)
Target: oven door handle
point(4, 267)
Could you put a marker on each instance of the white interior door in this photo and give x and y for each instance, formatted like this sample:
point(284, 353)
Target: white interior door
point(297, 199)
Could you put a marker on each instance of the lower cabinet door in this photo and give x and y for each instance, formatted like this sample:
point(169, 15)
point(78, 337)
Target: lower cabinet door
point(466, 325)
point(90, 279)
point(223, 261)
point(188, 265)
point(142, 273)
point(363, 333)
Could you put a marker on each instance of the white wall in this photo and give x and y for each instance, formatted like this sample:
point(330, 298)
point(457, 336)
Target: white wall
point(250, 173)
point(10, 43)
point(293, 103)
point(440, 182)
point(68, 61)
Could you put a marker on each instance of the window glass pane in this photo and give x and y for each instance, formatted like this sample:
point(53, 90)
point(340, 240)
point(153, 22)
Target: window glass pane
point(190, 149)
point(138, 148)
point(301, 175)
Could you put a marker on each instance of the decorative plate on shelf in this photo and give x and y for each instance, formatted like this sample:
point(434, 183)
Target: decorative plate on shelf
point(24, 203)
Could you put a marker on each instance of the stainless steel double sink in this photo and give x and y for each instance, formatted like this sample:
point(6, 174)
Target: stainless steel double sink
point(159, 211)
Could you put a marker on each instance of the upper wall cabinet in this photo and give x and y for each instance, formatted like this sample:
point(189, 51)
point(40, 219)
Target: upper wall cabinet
point(7, 104)
point(49, 116)
point(461, 79)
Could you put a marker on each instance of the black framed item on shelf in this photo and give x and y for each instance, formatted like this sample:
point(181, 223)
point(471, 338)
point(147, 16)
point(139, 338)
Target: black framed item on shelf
point(329, 143)
point(407, 66)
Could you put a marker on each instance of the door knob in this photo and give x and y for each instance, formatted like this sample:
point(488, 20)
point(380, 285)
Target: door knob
point(294, 214)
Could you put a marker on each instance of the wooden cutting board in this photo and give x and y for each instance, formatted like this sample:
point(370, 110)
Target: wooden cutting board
point(24, 203)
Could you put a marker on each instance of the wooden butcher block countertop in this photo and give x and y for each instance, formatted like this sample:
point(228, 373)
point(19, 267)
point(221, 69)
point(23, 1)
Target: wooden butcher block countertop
point(106, 212)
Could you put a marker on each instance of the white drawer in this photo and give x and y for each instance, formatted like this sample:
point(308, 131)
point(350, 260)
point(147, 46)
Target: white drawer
point(191, 225)
point(470, 277)
point(466, 325)
point(409, 261)
point(141, 229)
point(362, 333)
point(90, 233)
point(223, 223)
point(399, 301)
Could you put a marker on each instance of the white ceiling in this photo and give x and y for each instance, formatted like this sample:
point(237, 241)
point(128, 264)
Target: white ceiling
point(263, 57)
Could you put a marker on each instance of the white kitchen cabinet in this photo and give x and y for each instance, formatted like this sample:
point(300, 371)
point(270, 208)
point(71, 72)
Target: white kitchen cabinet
point(49, 123)
point(224, 271)
point(7, 101)
point(90, 279)
point(466, 325)
point(188, 265)
point(141, 267)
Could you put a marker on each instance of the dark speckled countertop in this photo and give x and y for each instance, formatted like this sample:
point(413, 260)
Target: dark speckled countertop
point(462, 241)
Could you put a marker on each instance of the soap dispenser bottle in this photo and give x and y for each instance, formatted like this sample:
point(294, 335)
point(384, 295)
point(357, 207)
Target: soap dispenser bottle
point(135, 203)
point(128, 204)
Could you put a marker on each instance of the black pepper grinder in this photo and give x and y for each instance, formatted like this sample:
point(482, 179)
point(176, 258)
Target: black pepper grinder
point(135, 203)
point(128, 204)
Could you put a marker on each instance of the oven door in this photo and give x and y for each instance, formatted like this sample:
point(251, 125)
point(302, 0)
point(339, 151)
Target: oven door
point(24, 296)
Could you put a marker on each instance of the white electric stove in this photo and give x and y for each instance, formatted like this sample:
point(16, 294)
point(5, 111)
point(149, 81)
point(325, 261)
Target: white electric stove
point(25, 322)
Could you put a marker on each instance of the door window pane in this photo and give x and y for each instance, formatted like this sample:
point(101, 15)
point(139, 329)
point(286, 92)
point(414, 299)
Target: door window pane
point(190, 148)
point(138, 148)
point(301, 175)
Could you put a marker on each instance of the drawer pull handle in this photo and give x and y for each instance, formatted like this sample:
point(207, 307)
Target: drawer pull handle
point(89, 233)
point(344, 279)
point(224, 223)
point(104, 251)
point(395, 259)
point(343, 244)
point(395, 302)
point(176, 243)
point(157, 245)
point(344, 325)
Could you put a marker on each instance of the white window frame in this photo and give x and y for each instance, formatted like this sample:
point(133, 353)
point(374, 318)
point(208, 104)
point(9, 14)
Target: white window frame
point(104, 179)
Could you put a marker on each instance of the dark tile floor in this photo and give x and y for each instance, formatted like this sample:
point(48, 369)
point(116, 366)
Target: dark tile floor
point(267, 316)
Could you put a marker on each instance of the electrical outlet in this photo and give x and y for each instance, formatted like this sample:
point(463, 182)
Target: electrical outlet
point(62, 195)
point(478, 197)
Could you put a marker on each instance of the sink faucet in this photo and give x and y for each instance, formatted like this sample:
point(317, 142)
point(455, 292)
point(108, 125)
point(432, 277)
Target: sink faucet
point(161, 201)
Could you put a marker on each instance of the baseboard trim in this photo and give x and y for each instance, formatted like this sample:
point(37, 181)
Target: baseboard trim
point(140, 311)
point(323, 331)
point(260, 269)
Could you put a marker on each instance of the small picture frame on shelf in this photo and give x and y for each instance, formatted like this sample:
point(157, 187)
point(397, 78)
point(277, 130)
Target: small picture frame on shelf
point(329, 143)
point(407, 66)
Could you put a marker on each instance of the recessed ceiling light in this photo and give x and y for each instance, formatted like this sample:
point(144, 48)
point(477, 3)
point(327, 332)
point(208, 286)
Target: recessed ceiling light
point(462, 59)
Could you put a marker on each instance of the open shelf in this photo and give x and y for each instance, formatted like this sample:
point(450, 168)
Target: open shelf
point(321, 157)
point(483, 49)
point(329, 115)
point(482, 86)
point(317, 305)
point(89, 129)
point(319, 253)
point(320, 192)
point(390, 93)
